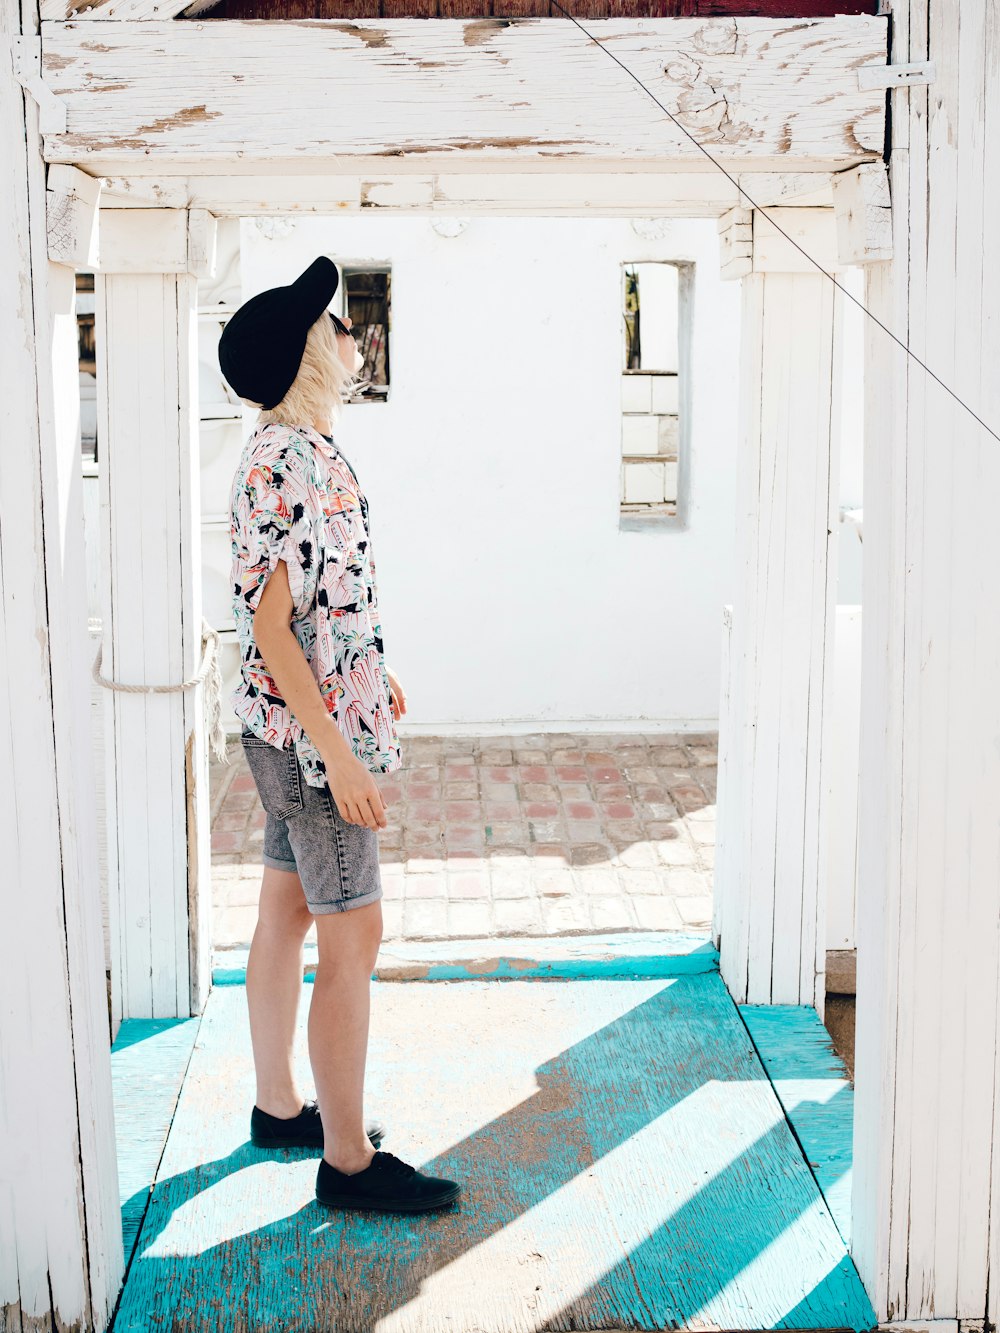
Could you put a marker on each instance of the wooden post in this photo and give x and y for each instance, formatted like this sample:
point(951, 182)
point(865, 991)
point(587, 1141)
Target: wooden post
point(61, 1259)
point(926, 1209)
point(773, 805)
point(159, 868)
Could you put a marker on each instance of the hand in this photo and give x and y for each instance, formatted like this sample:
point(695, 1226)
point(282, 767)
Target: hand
point(396, 695)
point(357, 794)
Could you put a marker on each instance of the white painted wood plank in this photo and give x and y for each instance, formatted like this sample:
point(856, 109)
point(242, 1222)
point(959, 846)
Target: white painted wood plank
point(723, 888)
point(908, 972)
point(766, 562)
point(819, 537)
point(879, 777)
point(928, 850)
point(774, 91)
point(60, 1264)
point(72, 204)
point(731, 878)
point(962, 1196)
point(149, 240)
point(864, 217)
point(546, 190)
point(772, 946)
point(194, 936)
point(842, 875)
point(148, 338)
point(984, 805)
point(930, 676)
point(813, 230)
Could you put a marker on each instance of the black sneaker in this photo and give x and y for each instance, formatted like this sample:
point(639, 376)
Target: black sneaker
point(304, 1130)
point(386, 1183)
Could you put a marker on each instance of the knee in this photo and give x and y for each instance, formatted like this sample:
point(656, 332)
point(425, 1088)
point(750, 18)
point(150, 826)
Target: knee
point(291, 922)
point(370, 933)
point(349, 939)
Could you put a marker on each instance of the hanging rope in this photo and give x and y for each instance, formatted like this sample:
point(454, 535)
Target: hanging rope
point(209, 672)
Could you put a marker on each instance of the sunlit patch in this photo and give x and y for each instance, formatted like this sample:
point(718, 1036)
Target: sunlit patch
point(695, 1143)
point(240, 1204)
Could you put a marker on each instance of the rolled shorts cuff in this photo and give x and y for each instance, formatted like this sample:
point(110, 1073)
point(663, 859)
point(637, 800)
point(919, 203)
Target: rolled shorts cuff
point(277, 864)
point(345, 904)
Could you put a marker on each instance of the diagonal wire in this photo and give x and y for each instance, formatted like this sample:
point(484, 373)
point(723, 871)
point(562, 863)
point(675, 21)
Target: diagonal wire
point(715, 163)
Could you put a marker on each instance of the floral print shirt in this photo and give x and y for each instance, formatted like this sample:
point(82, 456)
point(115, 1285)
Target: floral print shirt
point(296, 498)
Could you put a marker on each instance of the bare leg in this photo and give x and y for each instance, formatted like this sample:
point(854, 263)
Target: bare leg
point(338, 1029)
point(274, 984)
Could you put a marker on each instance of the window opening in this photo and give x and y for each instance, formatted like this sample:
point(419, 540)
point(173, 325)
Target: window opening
point(653, 351)
point(367, 301)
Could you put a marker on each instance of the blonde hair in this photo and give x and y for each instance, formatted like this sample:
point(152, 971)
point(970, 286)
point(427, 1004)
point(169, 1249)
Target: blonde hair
point(320, 385)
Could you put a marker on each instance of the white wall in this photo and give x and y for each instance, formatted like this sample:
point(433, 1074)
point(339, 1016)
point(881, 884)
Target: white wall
point(509, 594)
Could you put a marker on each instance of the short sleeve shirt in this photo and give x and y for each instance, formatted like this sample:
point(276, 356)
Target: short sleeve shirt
point(296, 498)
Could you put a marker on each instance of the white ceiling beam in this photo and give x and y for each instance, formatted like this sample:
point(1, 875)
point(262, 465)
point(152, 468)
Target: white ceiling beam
point(157, 240)
point(266, 98)
point(749, 243)
point(555, 192)
point(812, 230)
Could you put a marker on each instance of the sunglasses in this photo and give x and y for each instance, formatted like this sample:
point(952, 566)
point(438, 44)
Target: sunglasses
point(339, 325)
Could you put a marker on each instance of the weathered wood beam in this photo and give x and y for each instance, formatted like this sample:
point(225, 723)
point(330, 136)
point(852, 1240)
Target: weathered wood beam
point(72, 203)
point(486, 94)
point(736, 243)
point(748, 243)
point(572, 193)
point(157, 240)
point(864, 214)
point(812, 233)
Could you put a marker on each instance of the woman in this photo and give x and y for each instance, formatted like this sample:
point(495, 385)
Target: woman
point(318, 707)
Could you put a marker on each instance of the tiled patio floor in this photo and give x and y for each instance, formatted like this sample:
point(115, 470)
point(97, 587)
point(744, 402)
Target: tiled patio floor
point(540, 834)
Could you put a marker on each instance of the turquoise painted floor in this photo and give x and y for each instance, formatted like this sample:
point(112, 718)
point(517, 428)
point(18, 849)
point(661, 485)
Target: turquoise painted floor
point(628, 1163)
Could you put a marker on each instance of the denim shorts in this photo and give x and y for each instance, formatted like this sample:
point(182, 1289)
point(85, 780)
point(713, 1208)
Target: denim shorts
point(337, 862)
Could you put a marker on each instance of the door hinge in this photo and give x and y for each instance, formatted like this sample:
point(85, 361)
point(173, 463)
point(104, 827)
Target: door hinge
point(27, 57)
point(892, 76)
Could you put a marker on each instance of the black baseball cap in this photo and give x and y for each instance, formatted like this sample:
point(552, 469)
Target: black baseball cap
point(262, 344)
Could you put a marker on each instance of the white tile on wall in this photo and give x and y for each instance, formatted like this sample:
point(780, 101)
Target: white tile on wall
point(637, 393)
point(668, 435)
point(640, 434)
point(644, 482)
point(665, 394)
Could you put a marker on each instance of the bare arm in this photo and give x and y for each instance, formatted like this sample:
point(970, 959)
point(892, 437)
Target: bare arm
point(352, 785)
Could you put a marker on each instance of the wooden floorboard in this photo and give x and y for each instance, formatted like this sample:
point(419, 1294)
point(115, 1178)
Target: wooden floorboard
point(148, 1060)
point(626, 955)
point(626, 1164)
point(815, 1093)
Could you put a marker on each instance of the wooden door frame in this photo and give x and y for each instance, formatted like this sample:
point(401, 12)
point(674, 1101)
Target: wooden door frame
point(169, 162)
